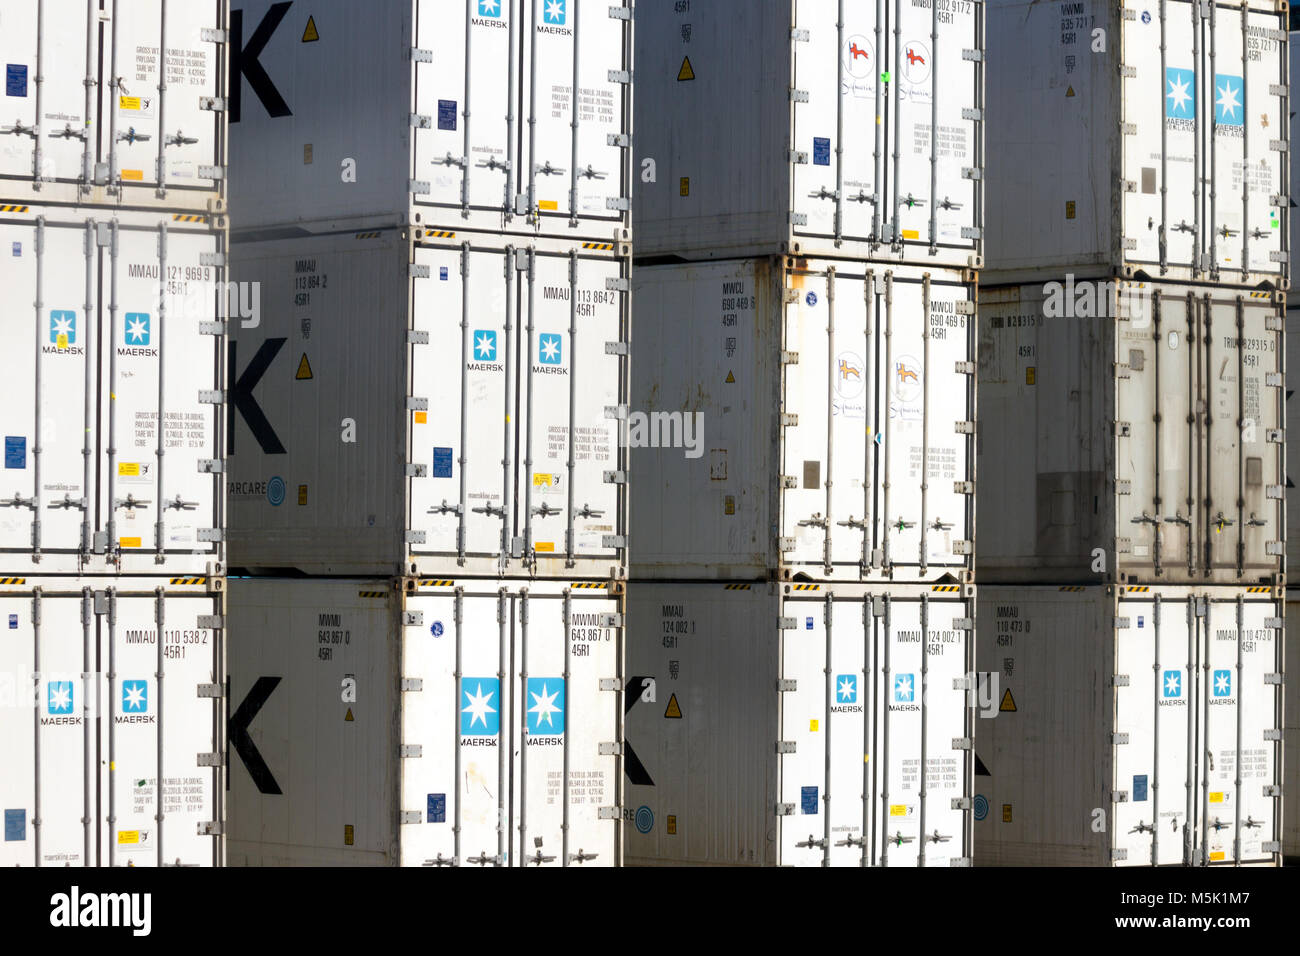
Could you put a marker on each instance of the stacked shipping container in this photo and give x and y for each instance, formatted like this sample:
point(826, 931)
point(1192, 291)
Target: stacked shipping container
point(112, 209)
point(1132, 547)
point(429, 484)
point(801, 606)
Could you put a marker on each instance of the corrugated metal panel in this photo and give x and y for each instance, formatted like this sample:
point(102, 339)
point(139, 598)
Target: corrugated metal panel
point(1134, 431)
point(1291, 733)
point(379, 472)
point(358, 690)
point(80, 786)
point(448, 123)
point(93, 121)
point(756, 748)
point(1165, 137)
point(121, 323)
point(743, 364)
point(1128, 729)
point(792, 95)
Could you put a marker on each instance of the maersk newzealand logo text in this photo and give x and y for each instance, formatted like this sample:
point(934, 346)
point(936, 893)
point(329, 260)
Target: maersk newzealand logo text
point(554, 18)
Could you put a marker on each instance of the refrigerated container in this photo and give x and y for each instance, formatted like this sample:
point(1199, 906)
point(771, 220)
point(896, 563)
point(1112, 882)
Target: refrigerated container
point(345, 690)
point(431, 403)
point(1134, 726)
point(111, 686)
point(804, 127)
point(1138, 141)
point(117, 322)
point(1291, 737)
point(1131, 432)
point(452, 115)
point(805, 418)
point(95, 114)
point(788, 724)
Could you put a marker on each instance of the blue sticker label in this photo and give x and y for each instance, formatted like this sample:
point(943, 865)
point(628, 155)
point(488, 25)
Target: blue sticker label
point(1141, 621)
point(442, 274)
point(15, 451)
point(808, 623)
point(436, 629)
point(18, 248)
point(13, 622)
point(811, 299)
point(808, 798)
point(15, 825)
point(442, 463)
point(821, 151)
point(1140, 788)
point(15, 79)
point(446, 114)
point(437, 811)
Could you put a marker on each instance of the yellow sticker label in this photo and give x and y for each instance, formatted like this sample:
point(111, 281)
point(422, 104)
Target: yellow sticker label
point(130, 542)
point(61, 342)
point(898, 810)
point(550, 205)
point(545, 546)
point(1216, 797)
point(674, 709)
point(421, 418)
point(1216, 856)
point(128, 836)
point(686, 72)
point(672, 824)
point(1031, 375)
point(302, 494)
point(133, 175)
point(1008, 704)
point(129, 468)
point(542, 481)
point(1006, 813)
point(911, 234)
point(304, 369)
point(129, 102)
point(812, 726)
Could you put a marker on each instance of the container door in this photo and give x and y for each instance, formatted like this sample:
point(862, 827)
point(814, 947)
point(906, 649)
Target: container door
point(465, 369)
point(1155, 710)
point(924, 453)
point(1239, 722)
point(48, 416)
point(838, 182)
point(466, 151)
point(934, 197)
point(157, 361)
point(48, 48)
point(1243, 476)
point(1163, 154)
point(162, 132)
point(921, 648)
point(161, 664)
point(826, 713)
point(1245, 129)
point(572, 158)
point(1155, 430)
point(573, 380)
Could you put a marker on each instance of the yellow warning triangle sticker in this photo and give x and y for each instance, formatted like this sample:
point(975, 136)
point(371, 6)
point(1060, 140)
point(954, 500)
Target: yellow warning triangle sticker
point(310, 35)
point(1008, 702)
point(731, 378)
point(304, 369)
point(674, 710)
point(685, 73)
point(349, 714)
point(1069, 91)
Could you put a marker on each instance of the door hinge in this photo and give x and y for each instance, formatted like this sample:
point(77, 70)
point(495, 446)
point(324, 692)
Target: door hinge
point(414, 537)
point(416, 470)
point(213, 622)
point(413, 619)
point(784, 810)
point(421, 56)
point(214, 759)
point(413, 685)
point(613, 541)
point(412, 751)
point(210, 690)
point(610, 749)
point(785, 746)
point(1118, 740)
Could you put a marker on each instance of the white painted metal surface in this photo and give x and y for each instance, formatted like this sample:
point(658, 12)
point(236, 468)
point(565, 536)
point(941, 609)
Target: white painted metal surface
point(804, 126)
point(787, 725)
point(438, 115)
point(831, 405)
point(1163, 156)
point(99, 709)
point(459, 724)
point(115, 325)
point(1132, 730)
point(482, 392)
point(1291, 735)
point(117, 103)
point(1147, 446)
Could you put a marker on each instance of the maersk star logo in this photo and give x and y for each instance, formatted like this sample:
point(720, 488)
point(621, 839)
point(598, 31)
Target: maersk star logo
point(550, 350)
point(1223, 683)
point(1180, 94)
point(485, 345)
point(480, 715)
point(1173, 684)
point(63, 328)
point(546, 706)
point(904, 688)
point(846, 689)
point(60, 697)
point(137, 328)
point(555, 12)
point(135, 697)
point(489, 8)
point(1228, 109)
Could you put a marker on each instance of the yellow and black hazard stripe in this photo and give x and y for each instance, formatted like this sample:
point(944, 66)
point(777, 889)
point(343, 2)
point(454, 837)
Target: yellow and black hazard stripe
point(189, 580)
point(1261, 295)
point(1138, 589)
point(436, 582)
point(13, 580)
point(589, 584)
point(1258, 590)
point(368, 235)
point(600, 246)
point(946, 588)
point(1071, 587)
point(737, 587)
point(440, 234)
point(805, 587)
point(182, 217)
point(14, 208)
point(372, 594)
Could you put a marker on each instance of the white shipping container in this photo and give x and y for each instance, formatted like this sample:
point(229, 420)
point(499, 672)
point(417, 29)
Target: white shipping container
point(804, 127)
point(1291, 737)
point(1292, 448)
point(1135, 726)
point(1162, 156)
point(457, 115)
point(348, 689)
point(1131, 432)
point(93, 118)
point(117, 323)
point(830, 407)
point(426, 403)
point(98, 709)
point(787, 725)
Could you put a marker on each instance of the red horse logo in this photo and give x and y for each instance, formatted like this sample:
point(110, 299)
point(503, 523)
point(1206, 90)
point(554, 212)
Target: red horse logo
point(914, 58)
point(857, 51)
